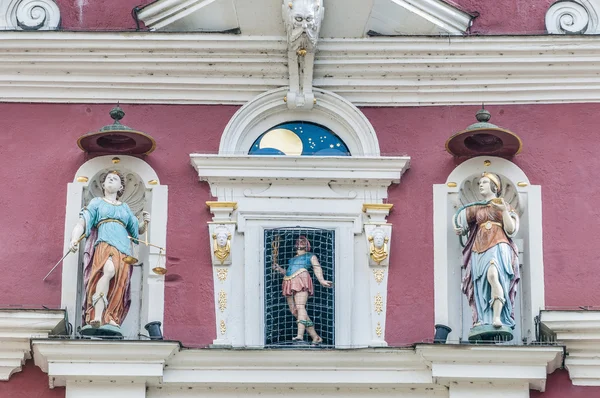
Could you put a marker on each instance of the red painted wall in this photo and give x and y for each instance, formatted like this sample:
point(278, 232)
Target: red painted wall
point(39, 157)
point(558, 385)
point(31, 382)
point(494, 17)
point(507, 16)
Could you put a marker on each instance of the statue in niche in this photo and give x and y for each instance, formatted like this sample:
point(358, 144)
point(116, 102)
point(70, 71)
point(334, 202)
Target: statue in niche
point(302, 20)
point(221, 244)
point(378, 246)
point(490, 260)
point(108, 225)
point(298, 286)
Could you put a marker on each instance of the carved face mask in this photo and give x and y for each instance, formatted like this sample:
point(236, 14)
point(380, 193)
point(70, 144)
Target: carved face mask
point(222, 239)
point(303, 18)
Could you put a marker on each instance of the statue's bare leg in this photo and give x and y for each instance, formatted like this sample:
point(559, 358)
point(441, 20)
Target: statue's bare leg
point(497, 294)
point(300, 298)
point(292, 305)
point(101, 293)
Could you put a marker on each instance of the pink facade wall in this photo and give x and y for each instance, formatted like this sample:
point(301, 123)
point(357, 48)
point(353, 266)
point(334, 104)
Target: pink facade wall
point(40, 156)
point(31, 382)
point(494, 17)
point(516, 17)
point(558, 385)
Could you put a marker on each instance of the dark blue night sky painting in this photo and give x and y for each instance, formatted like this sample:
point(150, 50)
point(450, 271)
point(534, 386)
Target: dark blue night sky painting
point(299, 138)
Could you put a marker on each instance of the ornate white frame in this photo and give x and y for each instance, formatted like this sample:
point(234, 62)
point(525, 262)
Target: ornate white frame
point(152, 291)
point(309, 191)
point(447, 275)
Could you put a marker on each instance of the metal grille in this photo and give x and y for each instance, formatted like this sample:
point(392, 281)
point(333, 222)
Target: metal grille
point(280, 324)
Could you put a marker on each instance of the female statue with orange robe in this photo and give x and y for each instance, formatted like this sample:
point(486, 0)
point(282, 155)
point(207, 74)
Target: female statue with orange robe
point(108, 225)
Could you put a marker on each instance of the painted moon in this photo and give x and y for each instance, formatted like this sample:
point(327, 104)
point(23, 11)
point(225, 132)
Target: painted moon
point(284, 140)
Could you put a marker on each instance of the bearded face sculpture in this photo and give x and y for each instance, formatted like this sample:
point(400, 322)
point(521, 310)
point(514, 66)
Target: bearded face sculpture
point(303, 22)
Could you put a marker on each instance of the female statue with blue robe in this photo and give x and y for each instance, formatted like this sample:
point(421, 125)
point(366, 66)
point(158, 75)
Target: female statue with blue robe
point(490, 260)
point(108, 225)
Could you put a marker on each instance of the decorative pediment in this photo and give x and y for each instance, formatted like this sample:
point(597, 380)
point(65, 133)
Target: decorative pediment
point(344, 18)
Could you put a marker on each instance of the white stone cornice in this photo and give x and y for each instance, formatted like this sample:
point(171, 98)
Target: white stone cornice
point(579, 331)
point(119, 361)
point(283, 368)
point(135, 67)
point(492, 363)
point(372, 170)
point(17, 327)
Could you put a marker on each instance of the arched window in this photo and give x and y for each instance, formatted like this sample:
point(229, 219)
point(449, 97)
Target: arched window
point(299, 139)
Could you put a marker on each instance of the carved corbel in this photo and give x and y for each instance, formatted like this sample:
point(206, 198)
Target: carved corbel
point(222, 233)
point(377, 237)
point(302, 20)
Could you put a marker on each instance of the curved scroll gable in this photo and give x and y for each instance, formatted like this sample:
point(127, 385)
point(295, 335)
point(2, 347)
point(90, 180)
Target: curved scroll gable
point(30, 15)
point(573, 17)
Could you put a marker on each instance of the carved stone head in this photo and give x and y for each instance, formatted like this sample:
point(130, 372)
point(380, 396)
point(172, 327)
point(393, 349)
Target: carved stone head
point(302, 20)
point(379, 238)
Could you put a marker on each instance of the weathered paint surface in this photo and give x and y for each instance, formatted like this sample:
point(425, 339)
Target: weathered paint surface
point(559, 385)
point(31, 382)
point(39, 157)
point(494, 17)
point(507, 16)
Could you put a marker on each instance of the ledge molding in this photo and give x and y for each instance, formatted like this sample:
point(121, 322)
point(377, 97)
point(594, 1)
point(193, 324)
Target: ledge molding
point(165, 364)
point(196, 68)
point(17, 328)
point(579, 331)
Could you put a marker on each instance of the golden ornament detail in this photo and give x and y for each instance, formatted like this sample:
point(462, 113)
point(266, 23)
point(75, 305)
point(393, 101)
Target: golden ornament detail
point(222, 300)
point(222, 274)
point(378, 304)
point(379, 274)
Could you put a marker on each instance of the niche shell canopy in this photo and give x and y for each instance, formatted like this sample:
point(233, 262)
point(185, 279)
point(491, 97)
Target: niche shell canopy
point(484, 138)
point(117, 138)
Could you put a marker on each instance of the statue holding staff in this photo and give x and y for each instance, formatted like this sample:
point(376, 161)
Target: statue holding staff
point(297, 286)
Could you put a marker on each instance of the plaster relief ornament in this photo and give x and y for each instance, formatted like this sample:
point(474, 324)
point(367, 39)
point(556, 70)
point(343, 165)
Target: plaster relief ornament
point(302, 20)
point(378, 246)
point(109, 226)
point(221, 244)
point(490, 260)
point(297, 286)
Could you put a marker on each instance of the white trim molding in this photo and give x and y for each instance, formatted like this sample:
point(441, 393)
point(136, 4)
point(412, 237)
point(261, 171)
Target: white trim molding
point(196, 68)
point(579, 331)
point(164, 369)
point(17, 328)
